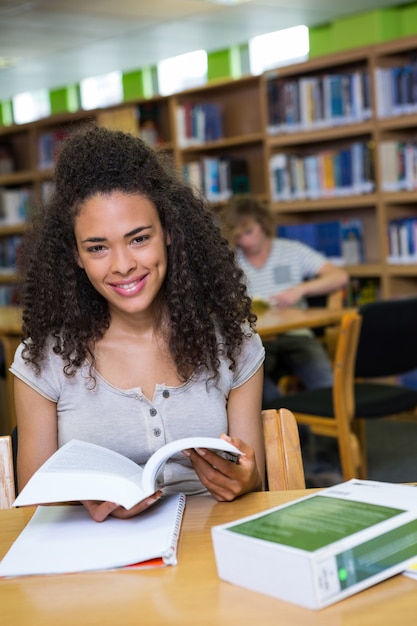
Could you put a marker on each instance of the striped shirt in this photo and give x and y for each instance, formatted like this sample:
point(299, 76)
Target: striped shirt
point(289, 263)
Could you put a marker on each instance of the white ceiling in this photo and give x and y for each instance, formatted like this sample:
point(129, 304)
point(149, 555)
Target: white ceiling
point(59, 42)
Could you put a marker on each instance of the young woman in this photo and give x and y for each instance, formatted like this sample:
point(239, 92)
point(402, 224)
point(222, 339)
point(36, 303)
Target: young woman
point(137, 325)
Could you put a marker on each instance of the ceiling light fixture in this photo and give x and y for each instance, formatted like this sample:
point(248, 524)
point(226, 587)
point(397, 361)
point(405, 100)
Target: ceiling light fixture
point(6, 62)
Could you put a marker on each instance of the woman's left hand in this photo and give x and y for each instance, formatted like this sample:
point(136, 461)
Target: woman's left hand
point(99, 511)
point(226, 480)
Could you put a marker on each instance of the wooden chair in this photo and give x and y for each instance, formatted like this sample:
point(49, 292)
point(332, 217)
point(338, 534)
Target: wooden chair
point(7, 485)
point(329, 412)
point(335, 299)
point(328, 335)
point(8, 420)
point(375, 346)
point(284, 463)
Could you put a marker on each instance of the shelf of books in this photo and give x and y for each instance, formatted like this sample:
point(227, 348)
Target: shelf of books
point(331, 143)
point(220, 138)
point(17, 189)
point(342, 159)
point(396, 109)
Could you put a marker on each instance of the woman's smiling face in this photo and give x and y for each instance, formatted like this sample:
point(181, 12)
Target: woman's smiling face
point(123, 249)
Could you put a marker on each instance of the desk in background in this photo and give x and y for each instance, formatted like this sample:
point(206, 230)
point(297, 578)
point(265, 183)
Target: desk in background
point(273, 322)
point(189, 593)
point(10, 334)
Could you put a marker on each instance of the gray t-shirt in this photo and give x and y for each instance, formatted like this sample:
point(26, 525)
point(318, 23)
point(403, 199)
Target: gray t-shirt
point(133, 425)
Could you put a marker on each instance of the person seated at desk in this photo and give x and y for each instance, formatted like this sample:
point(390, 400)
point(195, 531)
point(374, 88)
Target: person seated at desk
point(283, 273)
point(137, 327)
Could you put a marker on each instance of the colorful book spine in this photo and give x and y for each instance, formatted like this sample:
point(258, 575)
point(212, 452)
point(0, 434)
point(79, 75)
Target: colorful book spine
point(316, 101)
point(341, 241)
point(402, 241)
point(329, 173)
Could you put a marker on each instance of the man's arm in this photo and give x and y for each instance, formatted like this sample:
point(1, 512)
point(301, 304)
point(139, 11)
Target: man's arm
point(329, 278)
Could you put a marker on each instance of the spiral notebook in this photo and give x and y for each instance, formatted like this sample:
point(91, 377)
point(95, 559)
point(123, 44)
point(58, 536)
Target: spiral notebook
point(63, 539)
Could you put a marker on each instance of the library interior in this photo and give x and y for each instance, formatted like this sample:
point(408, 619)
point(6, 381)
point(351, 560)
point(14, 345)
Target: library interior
point(325, 136)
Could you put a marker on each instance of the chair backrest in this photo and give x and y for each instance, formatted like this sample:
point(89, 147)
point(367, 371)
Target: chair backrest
point(344, 372)
point(335, 299)
point(388, 339)
point(284, 463)
point(7, 485)
point(328, 334)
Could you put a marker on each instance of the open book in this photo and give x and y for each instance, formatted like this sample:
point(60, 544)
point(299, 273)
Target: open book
point(62, 539)
point(80, 470)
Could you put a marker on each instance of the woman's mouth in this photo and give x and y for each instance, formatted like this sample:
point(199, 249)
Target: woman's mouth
point(132, 287)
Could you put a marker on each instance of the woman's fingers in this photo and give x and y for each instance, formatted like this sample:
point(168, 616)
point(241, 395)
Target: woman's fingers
point(100, 511)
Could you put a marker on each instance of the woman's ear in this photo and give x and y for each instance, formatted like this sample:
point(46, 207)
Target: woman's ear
point(77, 259)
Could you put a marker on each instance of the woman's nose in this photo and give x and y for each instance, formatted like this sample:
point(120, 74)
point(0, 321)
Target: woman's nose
point(123, 261)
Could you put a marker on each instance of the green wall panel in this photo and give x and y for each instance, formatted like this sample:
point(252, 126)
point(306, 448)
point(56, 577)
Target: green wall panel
point(320, 40)
point(408, 18)
point(6, 113)
point(138, 84)
point(65, 100)
point(224, 63)
point(366, 29)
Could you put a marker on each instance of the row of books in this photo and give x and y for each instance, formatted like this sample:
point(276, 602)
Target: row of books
point(9, 295)
point(329, 173)
point(402, 240)
point(7, 164)
point(398, 164)
point(46, 190)
point(15, 204)
point(360, 291)
point(317, 101)
point(396, 89)
point(49, 146)
point(9, 247)
point(149, 123)
point(341, 241)
point(198, 123)
point(218, 178)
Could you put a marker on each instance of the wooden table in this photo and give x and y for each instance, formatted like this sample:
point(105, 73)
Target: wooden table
point(189, 593)
point(275, 321)
point(10, 333)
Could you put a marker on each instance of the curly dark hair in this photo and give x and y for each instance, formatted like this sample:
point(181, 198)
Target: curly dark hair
point(204, 291)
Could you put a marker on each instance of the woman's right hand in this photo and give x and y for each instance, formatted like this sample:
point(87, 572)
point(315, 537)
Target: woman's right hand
point(99, 511)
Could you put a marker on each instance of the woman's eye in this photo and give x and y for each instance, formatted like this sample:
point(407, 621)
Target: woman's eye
point(95, 249)
point(140, 239)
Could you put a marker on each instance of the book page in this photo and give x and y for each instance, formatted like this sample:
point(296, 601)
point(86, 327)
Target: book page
point(61, 539)
point(84, 471)
point(159, 457)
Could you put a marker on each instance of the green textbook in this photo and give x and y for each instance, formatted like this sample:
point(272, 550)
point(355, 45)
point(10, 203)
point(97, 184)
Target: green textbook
point(323, 547)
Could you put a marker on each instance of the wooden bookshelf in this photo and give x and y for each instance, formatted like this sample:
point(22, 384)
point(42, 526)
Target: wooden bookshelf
point(377, 206)
point(238, 142)
point(248, 134)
